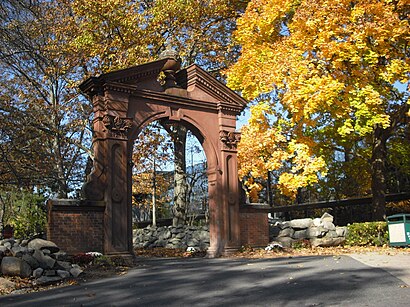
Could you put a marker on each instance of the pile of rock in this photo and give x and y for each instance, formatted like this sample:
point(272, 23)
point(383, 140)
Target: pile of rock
point(172, 237)
point(319, 232)
point(39, 259)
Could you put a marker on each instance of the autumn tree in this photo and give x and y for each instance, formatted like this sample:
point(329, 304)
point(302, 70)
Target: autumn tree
point(43, 117)
point(329, 76)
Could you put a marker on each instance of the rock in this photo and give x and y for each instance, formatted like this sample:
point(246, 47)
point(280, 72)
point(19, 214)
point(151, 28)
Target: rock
point(50, 273)
point(18, 251)
point(63, 265)
point(286, 232)
point(274, 231)
point(329, 225)
point(315, 232)
point(60, 256)
point(3, 250)
point(46, 262)
point(44, 280)
point(43, 244)
point(325, 242)
point(300, 234)
point(75, 271)
point(165, 235)
point(6, 285)
point(8, 245)
point(14, 266)
point(46, 251)
point(332, 234)
point(301, 223)
point(317, 222)
point(285, 241)
point(284, 225)
point(341, 231)
point(63, 274)
point(326, 217)
point(37, 272)
point(24, 243)
point(31, 261)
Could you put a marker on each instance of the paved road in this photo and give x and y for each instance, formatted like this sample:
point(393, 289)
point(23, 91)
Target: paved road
point(299, 281)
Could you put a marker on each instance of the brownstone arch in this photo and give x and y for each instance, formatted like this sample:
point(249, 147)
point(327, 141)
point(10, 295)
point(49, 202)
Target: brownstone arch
point(124, 102)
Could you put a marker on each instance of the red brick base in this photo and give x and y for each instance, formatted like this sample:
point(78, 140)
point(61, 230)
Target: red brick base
point(254, 227)
point(74, 227)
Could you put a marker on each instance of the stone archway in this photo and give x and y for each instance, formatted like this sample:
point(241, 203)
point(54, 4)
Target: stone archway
point(124, 101)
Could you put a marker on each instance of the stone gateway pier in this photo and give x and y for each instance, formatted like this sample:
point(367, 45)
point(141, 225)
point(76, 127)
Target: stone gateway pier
point(124, 102)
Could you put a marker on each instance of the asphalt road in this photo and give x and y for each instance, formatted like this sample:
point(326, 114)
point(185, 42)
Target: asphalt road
point(299, 281)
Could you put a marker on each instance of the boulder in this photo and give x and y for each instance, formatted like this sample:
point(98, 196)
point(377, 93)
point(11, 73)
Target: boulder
point(286, 232)
point(341, 231)
point(44, 280)
point(75, 271)
point(315, 232)
point(18, 251)
point(301, 223)
point(285, 241)
point(326, 217)
point(43, 244)
point(37, 272)
point(317, 222)
point(31, 261)
point(13, 266)
point(46, 262)
point(300, 234)
point(63, 274)
point(326, 241)
point(329, 225)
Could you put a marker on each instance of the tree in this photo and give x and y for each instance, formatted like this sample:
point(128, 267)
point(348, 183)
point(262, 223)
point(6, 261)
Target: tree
point(43, 117)
point(332, 76)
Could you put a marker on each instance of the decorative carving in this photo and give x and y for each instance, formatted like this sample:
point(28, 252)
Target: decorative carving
point(229, 139)
point(116, 125)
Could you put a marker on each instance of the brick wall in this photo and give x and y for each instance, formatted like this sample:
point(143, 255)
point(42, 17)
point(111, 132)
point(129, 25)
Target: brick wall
point(76, 228)
point(254, 227)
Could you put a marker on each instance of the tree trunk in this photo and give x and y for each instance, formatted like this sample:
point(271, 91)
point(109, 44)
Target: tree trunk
point(178, 135)
point(379, 156)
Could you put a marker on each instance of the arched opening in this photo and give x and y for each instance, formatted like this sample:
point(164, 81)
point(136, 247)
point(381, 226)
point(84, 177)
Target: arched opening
point(169, 177)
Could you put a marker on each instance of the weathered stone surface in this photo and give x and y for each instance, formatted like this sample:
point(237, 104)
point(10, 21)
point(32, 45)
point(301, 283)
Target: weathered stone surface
point(46, 262)
point(6, 285)
point(329, 225)
point(301, 223)
point(50, 273)
point(13, 266)
point(300, 234)
point(18, 251)
point(285, 241)
point(325, 242)
point(37, 272)
point(44, 280)
point(317, 222)
point(326, 217)
point(286, 232)
point(63, 265)
point(315, 232)
point(341, 231)
point(274, 231)
point(34, 264)
point(75, 271)
point(63, 274)
point(43, 244)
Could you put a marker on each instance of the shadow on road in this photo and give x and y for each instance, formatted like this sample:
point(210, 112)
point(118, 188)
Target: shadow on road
point(300, 281)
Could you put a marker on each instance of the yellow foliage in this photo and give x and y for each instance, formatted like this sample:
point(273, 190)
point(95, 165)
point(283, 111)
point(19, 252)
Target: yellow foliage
point(332, 66)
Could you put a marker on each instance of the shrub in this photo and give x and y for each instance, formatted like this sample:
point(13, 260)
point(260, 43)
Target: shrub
point(24, 211)
point(367, 234)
